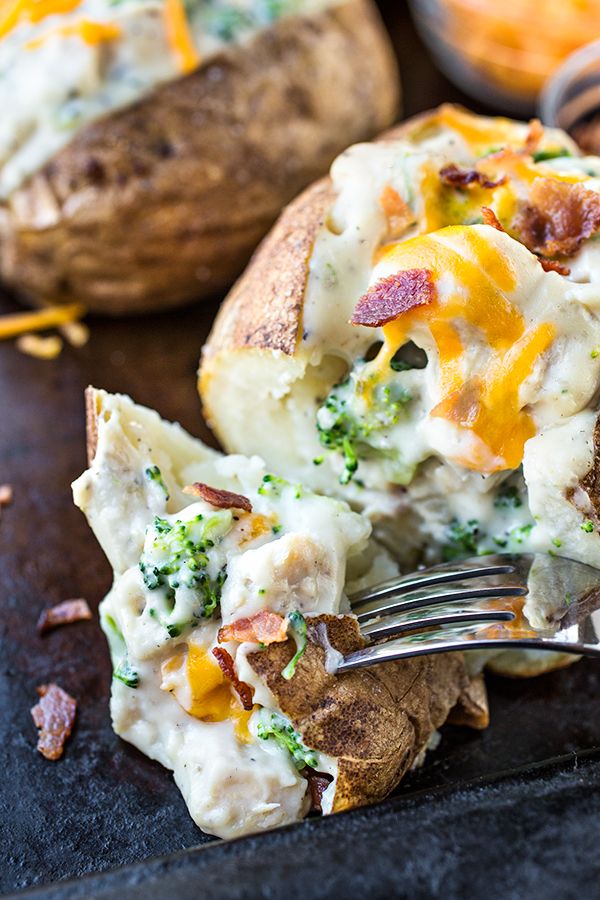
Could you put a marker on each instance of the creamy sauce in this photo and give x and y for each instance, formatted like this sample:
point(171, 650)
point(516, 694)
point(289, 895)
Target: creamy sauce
point(169, 695)
point(512, 351)
point(65, 63)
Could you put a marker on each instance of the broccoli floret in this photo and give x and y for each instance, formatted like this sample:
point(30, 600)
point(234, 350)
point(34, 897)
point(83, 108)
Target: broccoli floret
point(178, 555)
point(154, 474)
point(542, 155)
point(347, 430)
point(462, 539)
point(279, 729)
point(508, 497)
point(122, 669)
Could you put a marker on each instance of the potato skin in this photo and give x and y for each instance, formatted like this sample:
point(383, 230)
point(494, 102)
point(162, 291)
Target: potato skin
point(375, 720)
point(163, 202)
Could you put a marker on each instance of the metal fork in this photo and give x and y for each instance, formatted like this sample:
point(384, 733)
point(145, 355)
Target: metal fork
point(499, 601)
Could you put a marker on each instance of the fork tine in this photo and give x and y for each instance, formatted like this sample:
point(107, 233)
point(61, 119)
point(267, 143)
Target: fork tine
point(434, 615)
point(428, 577)
point(455, 591)
point(457, 637)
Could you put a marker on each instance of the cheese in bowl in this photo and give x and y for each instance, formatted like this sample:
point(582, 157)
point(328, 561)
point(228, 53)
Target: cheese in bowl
point(226, 621)
point(438, 349)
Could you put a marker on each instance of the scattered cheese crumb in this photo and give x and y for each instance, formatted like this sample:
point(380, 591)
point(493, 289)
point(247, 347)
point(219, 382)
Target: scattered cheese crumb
point(76, 333)
point(40, 347)
point(40, 320)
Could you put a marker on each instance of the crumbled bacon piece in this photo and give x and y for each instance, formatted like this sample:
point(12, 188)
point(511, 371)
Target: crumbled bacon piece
point(318, 782)
point(6, 494)
point(398, 213)
point(550, 265)
point(244, 691)
point(63, 613)
point(490, 218)
point(264, 627)
point(394, 295)
point(54, 715)
point(217, 497)
point(454, 176)
point(534, 136)
point(558, 218)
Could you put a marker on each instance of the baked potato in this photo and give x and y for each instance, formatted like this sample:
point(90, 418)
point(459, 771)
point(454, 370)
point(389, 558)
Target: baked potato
point(420, 333)
point(226, 621)
point(151, 147)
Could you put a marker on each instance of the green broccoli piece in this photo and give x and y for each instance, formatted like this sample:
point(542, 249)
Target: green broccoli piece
point(297, 625)
point(122, 669)
point(280, 730)
point(154, 474)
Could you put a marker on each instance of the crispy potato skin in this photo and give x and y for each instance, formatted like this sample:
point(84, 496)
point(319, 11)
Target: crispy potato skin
point(163, 202)
point(263, 310)
point(375, 720)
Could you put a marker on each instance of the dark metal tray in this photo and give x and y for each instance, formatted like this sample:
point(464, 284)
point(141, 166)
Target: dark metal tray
point(482, 817)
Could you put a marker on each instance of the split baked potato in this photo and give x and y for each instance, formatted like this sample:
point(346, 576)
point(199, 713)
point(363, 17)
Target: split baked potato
point(146, 147)
point(226, 621)
point(420, 333)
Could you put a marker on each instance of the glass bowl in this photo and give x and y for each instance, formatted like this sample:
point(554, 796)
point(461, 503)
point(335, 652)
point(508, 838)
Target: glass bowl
point(501, 53)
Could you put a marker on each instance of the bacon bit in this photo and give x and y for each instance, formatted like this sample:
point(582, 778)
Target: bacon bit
point(6, 494)
point(318, 782)
point(394, 295)
point(217, 497)
point(490, 218)
point(550, 265)
point(559, 217)
point(244, 691)
point(63, 614)
point(54, 715)
point(264, 627)
point(40, 347)
point(398, 213)
point(454, 176)
point(534, 136)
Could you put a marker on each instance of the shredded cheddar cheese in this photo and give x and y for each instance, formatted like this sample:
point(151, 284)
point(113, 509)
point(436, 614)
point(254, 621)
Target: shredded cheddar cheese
point(14, 324)
point(85, 29)
point(179, 36)
point(486, 403)
point(201, 689)
point(40, 347)
point(13, 11)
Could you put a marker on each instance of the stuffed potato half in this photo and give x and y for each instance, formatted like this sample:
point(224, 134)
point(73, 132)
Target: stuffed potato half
point(226, 619)
point(143, 172)
point(422, 331)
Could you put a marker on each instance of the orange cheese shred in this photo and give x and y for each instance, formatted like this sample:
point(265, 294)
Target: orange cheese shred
point(179, 36)
point(86, 30)
point(486, 403)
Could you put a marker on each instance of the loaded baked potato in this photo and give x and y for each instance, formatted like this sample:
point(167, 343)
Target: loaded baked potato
point(147, 145)
point(422, 331)
point(226, 620)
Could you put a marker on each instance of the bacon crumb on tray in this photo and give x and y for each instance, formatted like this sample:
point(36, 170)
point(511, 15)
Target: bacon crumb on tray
point(394, 295)
point(54, 715)
point(217, 497)
point(244, 691)
point(264, 627)
point(63, 613)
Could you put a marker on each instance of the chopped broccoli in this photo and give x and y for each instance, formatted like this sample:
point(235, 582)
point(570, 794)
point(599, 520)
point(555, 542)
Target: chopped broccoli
point(588, 527)
point(462, 539)
point(508, 497)
point(344, 428)
point(542, 155)
point(122, 669)
point(177, 557)
point(297, 624)
point(154, 474)
point(279, 729)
